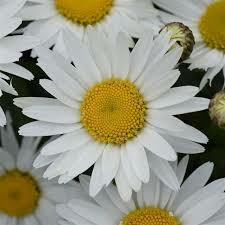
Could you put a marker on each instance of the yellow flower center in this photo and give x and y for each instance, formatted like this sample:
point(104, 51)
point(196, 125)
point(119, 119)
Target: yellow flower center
point(84, 12)
point(212, 25)
point(150, 216)
point(19, 194)
point(113, 111)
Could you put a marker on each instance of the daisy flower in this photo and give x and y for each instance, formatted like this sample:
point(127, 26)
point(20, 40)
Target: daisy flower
point(11, 48)
point(50, 17)
point(194, 204)
point(206, 20)
point(26, 198)
point(115, 109)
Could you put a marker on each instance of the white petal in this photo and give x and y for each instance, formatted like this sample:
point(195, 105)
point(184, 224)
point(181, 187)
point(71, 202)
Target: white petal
point(193, 105)
point(8, 138)
point(47, 30)
point(8, 88)
point(189, 133)
point(91, 212)
point(217, 186)
point(161, 59)
point(184, 146)
point(116, 199)
point(110, 163)
point(164, 171)
point(39, 128)
point(31, 220)
point(25, 159)
point(53, 114)
point(60, 193)
point(165, 121)
point(153, 142)
point(139, 55)
point(195, 181)
point(96, 41)
point(19, 43)
point(54, 169)
point(121, 62)
point(123, 186)
point(89, 155)
point(203, 210)
point(104, 201)
point(65, 82)
point(37, 12)
point(158, 87)
point(175, 96)
point(43, 160)
point(2, 118)
point(151, 191)
point(9, 9)
point(96, 183)
point(17, 70)
point(140, 199)
point(9, 25)
point(184, 9)
point(67, 213)
point(46, 212)
point(60, 62)
point(9, 56)
point(6, 160)
point(138, 159)
point(26, 102)
point(165, 196)
point(132, 178)
point(64, 222)
point(181, 169)
point(52, 88)
point(82, 59)
point(211, 73)
point(160, 65)
point(66, 142)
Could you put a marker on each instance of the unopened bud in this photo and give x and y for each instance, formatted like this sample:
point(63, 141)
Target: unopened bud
point(183, 36)
point(217, 109)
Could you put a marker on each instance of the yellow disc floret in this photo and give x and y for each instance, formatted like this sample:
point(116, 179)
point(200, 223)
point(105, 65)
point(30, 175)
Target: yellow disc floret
point(84, 12)
point(212, 25)
point(113, 111)
point(150, 216)
point(19, 194)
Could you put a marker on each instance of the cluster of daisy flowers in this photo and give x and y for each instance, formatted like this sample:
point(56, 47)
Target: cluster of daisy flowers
point(113, 109)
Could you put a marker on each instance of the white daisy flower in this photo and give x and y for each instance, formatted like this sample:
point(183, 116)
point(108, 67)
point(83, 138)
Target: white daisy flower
point(11, 48)
point(206, 20)
point(26, 198)
point(195, 204)
point(115, 109)
point(108, 17)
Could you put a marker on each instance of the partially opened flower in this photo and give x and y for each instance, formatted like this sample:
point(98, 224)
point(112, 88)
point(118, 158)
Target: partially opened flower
point(206, 20)
point(26, 198)
point(11, 48)
point(116, 110)
point(195, 204)
point(108, 17)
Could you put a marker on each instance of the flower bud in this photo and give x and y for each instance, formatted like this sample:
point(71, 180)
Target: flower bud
point(183, 37)
point(217, 109)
